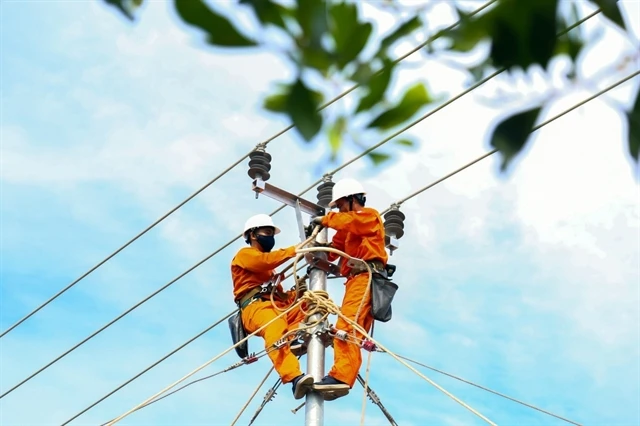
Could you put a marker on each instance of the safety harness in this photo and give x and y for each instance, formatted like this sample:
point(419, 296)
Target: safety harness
point(377, 267)
point(261, 292)
point(236, 327)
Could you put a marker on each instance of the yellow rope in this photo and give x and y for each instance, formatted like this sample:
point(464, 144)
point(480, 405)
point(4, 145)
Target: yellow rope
point(343, 254)
point(450, 395)
point(332, 308)
point(366, 384)
point(252, 396)
point(122, 416)
point(295, 269)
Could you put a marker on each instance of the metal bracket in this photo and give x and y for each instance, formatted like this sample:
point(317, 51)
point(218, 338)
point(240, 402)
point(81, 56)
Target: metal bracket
point(352, 263)
point(299, 219)
point(325, 265)
point(392, 243)
point(260, 186)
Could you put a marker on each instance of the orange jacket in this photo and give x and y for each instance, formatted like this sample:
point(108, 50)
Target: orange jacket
point(359, 234)
point(250, 267)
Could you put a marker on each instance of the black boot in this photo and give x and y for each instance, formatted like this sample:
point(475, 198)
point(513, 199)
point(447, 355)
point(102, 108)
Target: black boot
point(301, 385)
point(331, 388)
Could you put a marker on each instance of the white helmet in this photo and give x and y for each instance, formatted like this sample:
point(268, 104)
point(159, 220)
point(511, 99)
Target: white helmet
point(259, 221)
point(344, 188)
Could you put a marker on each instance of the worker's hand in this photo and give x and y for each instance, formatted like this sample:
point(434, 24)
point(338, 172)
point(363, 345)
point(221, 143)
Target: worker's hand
point(278, 278)
point(302, 287)
point(317, 220)
point(308, 230)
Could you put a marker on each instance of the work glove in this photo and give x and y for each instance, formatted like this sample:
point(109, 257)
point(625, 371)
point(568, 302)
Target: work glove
point(308, 230)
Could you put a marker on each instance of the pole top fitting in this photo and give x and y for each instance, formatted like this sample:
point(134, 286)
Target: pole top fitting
point(262, 146)
point(327, 177)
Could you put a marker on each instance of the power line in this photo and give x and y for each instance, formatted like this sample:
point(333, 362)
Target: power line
point(407, 198)
point(119, 317)
point(482, 157)
point(227, 170)
point(233, 367)
point(578, 105)
point(487, 389)
point(468, 90)
point(150, 367)
point(205, 259)
point(440, 107)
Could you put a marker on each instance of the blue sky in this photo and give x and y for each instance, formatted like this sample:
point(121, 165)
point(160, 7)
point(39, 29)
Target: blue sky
point(526, 283)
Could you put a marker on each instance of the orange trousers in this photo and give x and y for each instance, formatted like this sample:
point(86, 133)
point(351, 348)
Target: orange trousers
point(347, 356)
point(258, 314)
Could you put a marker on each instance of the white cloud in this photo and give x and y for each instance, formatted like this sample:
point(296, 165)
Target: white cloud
point(495, 274)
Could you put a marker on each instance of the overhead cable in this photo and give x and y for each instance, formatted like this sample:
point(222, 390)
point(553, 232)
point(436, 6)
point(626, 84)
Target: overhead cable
point(150, 367)
point(539, 126)
point(468, 90)
point(227, 170)
point(488, 390)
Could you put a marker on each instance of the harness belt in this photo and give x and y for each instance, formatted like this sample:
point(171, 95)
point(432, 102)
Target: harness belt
point(253, 295)
point(375, 265)
point(257, 293)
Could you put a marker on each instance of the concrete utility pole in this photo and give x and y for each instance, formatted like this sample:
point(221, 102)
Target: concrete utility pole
point(259, 167)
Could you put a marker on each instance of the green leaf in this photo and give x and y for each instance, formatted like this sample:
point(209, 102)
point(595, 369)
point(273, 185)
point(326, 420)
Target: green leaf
point(319, 59)
point(569, 44)
point(363, 73)
point(269, 12)
point(349, 34)
point(335, 136)
point(523, 33)
point(414, 99)
point(219, 30)
point(402, 31)
point(378, 158)
point(277, 102)
point(377, 87)
point(127, 7)
point(312, 17)
point(302, 107)
point(510, 136)
point(634, 130)
point(405, 142)
point(470, 31)
point(611, 10)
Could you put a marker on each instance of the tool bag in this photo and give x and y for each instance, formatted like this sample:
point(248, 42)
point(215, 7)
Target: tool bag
point(238, 333)
point(383, 291)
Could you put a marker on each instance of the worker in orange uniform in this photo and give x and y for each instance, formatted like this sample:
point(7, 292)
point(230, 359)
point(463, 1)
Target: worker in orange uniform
point(252, 274)
point(360, 234)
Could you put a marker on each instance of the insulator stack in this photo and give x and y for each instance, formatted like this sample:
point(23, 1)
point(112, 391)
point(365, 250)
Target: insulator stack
point(393, 228)
point(259, 165)
point(325, 193)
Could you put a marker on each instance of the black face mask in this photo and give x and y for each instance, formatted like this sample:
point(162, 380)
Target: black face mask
point(266, 242)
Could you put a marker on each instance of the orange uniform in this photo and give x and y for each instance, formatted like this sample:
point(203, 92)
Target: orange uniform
point(250, 268)
point(359, 234)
